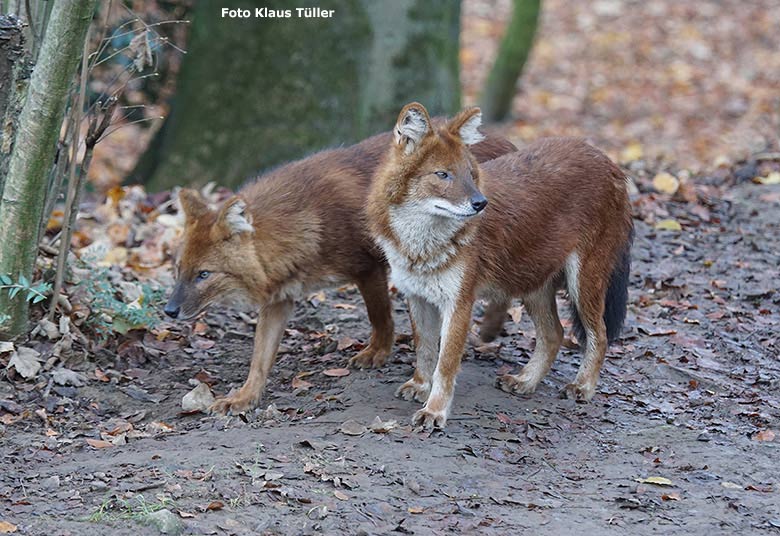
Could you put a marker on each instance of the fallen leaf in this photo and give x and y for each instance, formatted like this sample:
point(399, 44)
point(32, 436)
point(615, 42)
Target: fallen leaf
point(657, 480)
point(416, 509)
point(199, 399)
point(299, 383)
point(516, 313)
point(346, 342)
point(378, 426)
point(764, 435)
point(346, 306)
point(99, 443)
point(670, 496)
point(731, 485)
point(353, 428)
point(7, 528)
point(336, 372)
point(64, 376)
point(184, 515)
point(101, 376)
point(633, 151)
point(668, 225)
point(666, 183)
point(25, 361)
point(214, 505)
point(771, 178)
point(341, 495)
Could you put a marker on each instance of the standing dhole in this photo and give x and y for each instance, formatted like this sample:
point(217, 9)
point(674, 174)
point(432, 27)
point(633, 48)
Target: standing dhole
point(296, 229)
point(554, 214)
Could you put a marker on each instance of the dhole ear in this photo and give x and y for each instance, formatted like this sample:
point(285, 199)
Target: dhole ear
point(193, 205)
point(234, 218)
point(466, 126)
point(413, 125)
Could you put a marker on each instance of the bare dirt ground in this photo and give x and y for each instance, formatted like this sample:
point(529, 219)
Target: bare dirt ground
point(679, 439)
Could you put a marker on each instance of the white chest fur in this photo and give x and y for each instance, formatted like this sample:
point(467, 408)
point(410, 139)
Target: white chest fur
point(439, 287)
point(424, 269)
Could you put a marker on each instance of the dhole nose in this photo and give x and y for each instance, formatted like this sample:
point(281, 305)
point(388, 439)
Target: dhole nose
point(478, 203)
point(171, 310)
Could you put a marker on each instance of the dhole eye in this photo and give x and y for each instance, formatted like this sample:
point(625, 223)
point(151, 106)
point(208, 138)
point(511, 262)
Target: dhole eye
point(442, 174)
point(203, 275)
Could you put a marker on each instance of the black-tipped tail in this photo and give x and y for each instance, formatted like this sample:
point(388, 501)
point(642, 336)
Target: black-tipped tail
point(616, 300)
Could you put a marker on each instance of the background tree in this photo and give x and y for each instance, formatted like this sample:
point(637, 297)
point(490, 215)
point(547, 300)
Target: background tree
point(256, 92)
point(513, 52)
point(24, 192)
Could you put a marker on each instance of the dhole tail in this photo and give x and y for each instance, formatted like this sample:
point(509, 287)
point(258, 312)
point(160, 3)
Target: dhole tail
point(616, 300)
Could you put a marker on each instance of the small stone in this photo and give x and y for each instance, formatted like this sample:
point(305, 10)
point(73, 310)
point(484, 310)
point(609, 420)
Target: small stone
point(166, 522)
point(199, 399)
point(52, 482)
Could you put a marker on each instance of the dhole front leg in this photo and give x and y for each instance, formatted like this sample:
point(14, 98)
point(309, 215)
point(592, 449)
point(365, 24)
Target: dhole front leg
point(454, 330)
point(374, 291)
point(426, 323)
point(271, 322)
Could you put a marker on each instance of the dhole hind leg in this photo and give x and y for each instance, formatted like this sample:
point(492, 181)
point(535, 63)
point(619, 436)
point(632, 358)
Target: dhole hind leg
point(542, 309)
point(373, 288)
point(493, 320)
point(590, 287)
point(426, 323)
point(268, 334)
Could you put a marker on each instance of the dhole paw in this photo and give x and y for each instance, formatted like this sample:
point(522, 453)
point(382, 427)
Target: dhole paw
point(428, 420)
point(412, 390)
point(516, 384)
point(580, 393)
point(369, 357)
point(232, 405)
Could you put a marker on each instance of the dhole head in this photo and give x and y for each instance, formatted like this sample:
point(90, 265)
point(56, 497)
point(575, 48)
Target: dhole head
point(434, 168)
point(214, 256)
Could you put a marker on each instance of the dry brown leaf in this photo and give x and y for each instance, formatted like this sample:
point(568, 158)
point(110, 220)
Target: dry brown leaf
point(346, 342)
point(99, 444)
point(214, 505)
point(7, 528)
point(336, 372)
point(298, 383)
point(353, 428)
point(764, 435)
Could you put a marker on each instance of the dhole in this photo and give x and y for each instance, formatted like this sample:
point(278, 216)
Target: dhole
point(293, 230)
point(555, 214)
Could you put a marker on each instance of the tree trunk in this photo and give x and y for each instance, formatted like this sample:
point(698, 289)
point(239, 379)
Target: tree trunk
point(256, 92)
point(34, 150)
point(14, 74)
point(512, 55)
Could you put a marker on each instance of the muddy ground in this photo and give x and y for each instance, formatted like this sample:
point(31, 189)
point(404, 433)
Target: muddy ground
point(688, 399)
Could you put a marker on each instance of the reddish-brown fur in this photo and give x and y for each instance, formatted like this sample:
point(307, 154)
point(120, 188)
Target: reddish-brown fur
point(296, 229)
point(550, 204)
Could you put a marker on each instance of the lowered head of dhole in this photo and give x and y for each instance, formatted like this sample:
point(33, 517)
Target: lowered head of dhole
point(433, 170)
point(216, 257)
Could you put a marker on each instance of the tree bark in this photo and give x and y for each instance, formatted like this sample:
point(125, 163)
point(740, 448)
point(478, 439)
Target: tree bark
point(14, 74)
point(254, 92)
point(512, 54)
point(24, 194)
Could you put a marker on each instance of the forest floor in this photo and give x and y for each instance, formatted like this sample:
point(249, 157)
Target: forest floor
point(681, 437)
